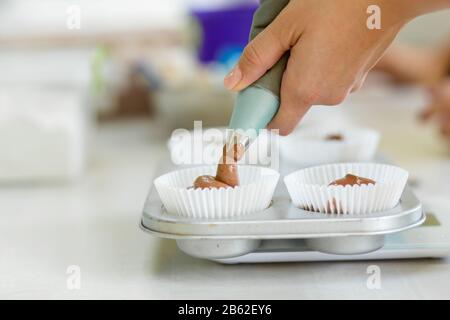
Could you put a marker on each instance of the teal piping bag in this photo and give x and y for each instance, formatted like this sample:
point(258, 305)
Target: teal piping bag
point(256, 105)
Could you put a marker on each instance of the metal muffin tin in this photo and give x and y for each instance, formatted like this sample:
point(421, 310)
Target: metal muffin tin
point(328, 233)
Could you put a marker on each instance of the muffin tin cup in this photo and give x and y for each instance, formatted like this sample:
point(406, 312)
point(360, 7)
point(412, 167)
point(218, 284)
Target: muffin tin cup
point(309, 188)
point(253, 195)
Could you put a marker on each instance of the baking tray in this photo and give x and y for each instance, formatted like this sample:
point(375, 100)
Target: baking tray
point(327, 233)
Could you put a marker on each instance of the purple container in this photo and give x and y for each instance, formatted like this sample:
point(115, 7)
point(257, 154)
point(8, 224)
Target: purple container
point(223, 28)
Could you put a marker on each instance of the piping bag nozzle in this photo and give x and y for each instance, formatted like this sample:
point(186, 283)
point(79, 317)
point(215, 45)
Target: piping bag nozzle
point(254, 108)
point(256, 105)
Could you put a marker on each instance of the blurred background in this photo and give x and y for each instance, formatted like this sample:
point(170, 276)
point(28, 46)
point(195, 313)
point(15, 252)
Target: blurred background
point(69, 67)
point(90, 91)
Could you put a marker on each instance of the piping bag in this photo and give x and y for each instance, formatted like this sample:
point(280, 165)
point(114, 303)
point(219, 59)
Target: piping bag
point(256, 105)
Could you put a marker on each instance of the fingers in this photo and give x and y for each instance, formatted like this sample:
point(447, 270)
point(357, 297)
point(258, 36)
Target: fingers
point(287, 118)
point(439, 102)
point(439, 108)
point(259, 56)
point(428, 112)
point(294, 104)
point(319, 74)
point(309, 79)
point(445, 130)
point(444, 122)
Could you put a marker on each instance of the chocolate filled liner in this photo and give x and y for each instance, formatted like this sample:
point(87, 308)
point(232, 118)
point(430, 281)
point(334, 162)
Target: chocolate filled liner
point(254, 193)
point(309, 188)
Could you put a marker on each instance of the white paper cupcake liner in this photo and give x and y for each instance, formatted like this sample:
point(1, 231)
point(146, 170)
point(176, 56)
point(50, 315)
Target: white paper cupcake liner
point(253, 195)
point(357, 145)
point(309, 190)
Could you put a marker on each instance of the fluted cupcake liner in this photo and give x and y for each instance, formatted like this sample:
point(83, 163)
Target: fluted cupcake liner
point(309, 188)
point(257, 185)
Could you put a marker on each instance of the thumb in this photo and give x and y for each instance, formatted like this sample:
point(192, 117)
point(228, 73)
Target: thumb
point(258, 57)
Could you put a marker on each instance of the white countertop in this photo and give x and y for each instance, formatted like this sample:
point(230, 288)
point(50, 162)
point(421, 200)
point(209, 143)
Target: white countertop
point(93, 223)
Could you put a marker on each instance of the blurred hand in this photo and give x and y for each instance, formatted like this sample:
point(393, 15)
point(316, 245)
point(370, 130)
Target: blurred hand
point(439, 107)
point(332, 50)
point(430, 64)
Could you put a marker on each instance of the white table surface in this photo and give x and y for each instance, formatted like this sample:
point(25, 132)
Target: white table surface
point(93, 223)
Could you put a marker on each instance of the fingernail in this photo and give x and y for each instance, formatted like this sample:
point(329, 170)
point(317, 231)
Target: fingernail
point(233, 78)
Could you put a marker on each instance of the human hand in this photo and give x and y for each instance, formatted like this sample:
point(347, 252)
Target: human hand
point(331, 52)
point(439, 108)
point(430, 64)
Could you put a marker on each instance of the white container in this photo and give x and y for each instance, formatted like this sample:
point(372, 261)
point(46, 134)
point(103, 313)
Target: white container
point(309, 188)
point(306, 147)
point(43, 134)
point(253, 195)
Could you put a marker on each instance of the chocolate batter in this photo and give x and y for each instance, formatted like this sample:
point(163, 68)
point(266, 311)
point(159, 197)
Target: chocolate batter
point(204, 182)
point(334, 136)
point(227, 173)
point(351, 180)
